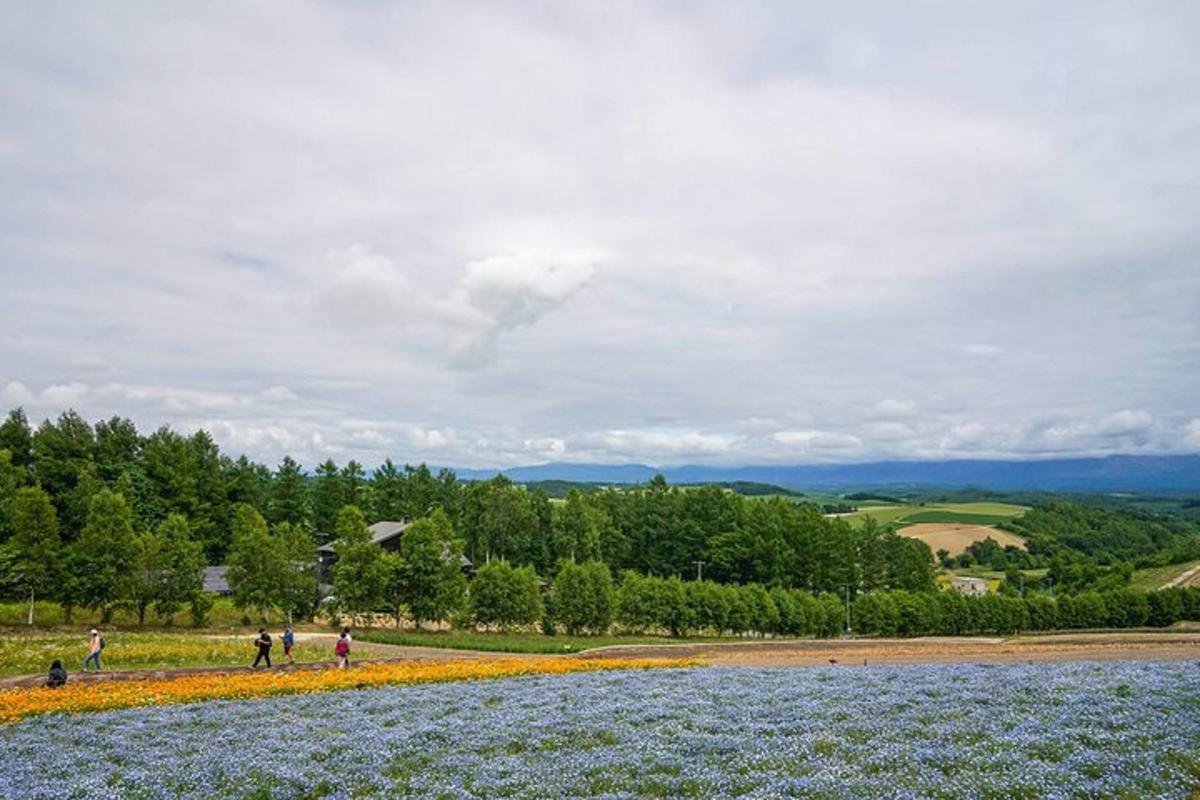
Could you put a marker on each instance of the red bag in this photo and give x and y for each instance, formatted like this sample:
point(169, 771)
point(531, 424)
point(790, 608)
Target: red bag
point(342, 648)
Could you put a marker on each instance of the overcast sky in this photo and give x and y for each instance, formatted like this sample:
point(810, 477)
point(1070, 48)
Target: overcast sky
point(490, 234)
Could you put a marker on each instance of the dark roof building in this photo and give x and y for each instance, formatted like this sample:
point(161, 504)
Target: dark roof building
point(216, 580)
point(386, 534)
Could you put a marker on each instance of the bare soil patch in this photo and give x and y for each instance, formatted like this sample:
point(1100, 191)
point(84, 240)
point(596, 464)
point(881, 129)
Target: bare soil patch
point(926, 650)
point(956, 537)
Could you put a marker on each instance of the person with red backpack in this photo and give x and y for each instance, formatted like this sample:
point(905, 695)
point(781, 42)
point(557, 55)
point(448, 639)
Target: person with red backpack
point(342, 651)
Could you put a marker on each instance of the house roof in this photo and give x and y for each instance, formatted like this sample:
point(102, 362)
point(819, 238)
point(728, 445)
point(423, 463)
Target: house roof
point(384, 530)
point(216, 579)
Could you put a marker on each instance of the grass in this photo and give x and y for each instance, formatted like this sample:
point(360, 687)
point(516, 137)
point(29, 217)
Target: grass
point(30, 653)
point(1158, 577)
point(509, 642)
point(223, 615)
point(953, 516)
point(910, 514)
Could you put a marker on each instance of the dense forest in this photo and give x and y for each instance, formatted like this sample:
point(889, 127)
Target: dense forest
point(196, 505)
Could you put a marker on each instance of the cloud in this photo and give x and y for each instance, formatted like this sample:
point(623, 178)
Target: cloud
point(638, 233)
point(502, 293)
point(65, 395)
point(493, 295)
point(17, 394)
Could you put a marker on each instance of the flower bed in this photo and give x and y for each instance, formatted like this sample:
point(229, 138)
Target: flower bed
point(954, 731)
point(105, 696)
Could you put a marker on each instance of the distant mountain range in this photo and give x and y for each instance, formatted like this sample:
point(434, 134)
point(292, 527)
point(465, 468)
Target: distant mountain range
point(1112, 473)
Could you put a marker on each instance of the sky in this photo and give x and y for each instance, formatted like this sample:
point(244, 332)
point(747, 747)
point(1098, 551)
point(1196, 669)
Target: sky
point(487, 234)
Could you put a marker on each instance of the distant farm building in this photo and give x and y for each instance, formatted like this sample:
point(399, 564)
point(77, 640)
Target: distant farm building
point(216, 581)
point(387, 534)
point(972, 587)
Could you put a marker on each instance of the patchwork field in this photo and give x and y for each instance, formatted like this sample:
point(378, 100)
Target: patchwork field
point(957, 537)
point(1032, 731)
point(967, 513)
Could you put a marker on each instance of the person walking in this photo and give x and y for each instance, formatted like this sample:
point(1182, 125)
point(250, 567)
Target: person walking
point(342, 651)
point(289, 640)
point(349, 641)
point(264, 648)
point(95, 645)
point(57, 676)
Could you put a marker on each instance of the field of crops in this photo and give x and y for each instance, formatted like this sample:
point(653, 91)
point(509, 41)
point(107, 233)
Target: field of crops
point(967, 513)
point(1048, 730)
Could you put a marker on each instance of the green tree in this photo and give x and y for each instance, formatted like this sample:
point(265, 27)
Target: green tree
point(584, 597)
point(35, 548)
point(297, 592)
point(387, 493)
point(10, 479)
point(426, 574)
point(17, 438)
point(62, 452)
point(505, 596)
point(359, 575)
point(328, 497)
point(289, 494)
point(101, 557)
point(181, 566)
point(255, 562)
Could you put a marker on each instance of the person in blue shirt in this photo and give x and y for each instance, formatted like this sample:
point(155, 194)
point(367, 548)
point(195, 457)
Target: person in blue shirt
point(289, 639)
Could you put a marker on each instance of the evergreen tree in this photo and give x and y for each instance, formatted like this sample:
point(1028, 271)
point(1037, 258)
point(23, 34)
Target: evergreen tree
point(289, 495)
point(17, 438)
point(10, 478)
point(355, 489)
point(62, 453)
point(328, 497)
point(387, 493)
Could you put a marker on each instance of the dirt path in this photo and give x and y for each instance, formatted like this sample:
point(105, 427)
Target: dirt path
point(807, 653)
point(1135, 646)
point(1184, 579)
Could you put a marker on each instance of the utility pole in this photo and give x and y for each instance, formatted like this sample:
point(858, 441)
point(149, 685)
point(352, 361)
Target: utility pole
point(846, 586)
point(699, 569)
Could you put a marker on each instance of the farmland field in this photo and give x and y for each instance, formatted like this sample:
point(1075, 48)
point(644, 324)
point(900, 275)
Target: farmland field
point(971, 513)
point(1186, 574)
point(1050, 730)
point(956, 537)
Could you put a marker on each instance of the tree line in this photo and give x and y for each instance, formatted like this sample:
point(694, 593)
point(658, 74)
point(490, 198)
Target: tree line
point(101, 515)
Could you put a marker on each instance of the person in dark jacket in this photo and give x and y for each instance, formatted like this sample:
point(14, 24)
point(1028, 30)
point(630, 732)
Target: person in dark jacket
point(58, 675)
point(264, 648)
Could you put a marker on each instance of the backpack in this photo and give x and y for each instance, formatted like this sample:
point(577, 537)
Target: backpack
point(342, 648)
point(102, 643)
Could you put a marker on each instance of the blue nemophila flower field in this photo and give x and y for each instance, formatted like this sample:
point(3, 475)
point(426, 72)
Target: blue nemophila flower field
point(953, 731)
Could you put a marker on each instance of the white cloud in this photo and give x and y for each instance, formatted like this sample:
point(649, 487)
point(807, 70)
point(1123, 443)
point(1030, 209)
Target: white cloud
point(64, 395)
point(635, 233)
point(17, 394)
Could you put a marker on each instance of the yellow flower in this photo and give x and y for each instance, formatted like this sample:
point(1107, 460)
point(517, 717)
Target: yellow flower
point(77, 698)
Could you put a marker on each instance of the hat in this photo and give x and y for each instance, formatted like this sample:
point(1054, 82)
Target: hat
point(95, 631)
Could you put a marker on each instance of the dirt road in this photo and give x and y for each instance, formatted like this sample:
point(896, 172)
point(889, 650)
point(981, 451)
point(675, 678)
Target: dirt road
point(850, 652)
